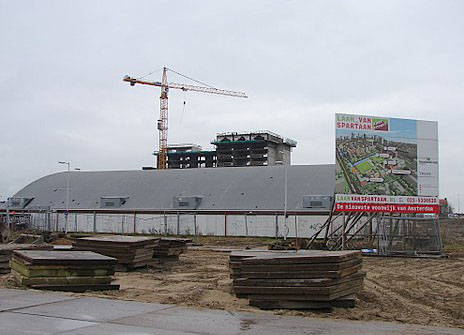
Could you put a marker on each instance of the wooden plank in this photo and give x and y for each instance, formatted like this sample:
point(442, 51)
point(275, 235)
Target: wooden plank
point(78, 266)
point(314, 257)
point(298, 267)
point(77, 288)
point(43, 271)
point(291, 282)
point(290, 304)
point(120, 239)
point(311, 291)
point(345, 302)
point(329, 297)
point(296, 275)
point(26, 281)
point(62, 257)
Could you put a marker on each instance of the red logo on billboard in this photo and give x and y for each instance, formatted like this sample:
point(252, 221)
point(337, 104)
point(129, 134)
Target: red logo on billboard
point(380, 124)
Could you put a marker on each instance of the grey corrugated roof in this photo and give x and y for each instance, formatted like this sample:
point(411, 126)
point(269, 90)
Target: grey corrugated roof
point(244, 188)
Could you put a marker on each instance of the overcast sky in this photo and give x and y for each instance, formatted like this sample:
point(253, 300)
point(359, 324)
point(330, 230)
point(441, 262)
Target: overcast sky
point(62, 63)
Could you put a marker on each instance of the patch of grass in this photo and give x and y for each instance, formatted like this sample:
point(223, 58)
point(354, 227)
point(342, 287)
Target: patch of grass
point(364, 166)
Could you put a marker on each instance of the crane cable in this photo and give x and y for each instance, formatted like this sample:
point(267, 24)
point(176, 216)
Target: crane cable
point(183, 108)
point(197, 81)
point(180, 74)
point(149, 74)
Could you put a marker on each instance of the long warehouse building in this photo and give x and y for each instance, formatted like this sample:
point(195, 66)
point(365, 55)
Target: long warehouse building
point(243, 189)
point(245, 201)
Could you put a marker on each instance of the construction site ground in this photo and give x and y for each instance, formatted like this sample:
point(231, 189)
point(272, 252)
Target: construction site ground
point(421, 291)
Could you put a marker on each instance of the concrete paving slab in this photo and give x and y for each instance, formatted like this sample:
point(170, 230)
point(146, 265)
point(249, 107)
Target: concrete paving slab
point(214, 322)
point(115, 329)
point(94, 309)
point(13, 299)
point(298, 325)
point(72, 316)
point(232, 323)
point(19, 324)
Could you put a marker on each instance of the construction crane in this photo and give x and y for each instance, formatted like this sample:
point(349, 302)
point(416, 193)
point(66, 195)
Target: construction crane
point(163, 119)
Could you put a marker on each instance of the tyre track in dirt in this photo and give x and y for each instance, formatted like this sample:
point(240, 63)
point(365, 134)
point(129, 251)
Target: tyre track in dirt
point(417, 284)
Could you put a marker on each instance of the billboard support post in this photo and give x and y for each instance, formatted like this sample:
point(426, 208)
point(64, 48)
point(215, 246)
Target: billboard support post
point(343, 231)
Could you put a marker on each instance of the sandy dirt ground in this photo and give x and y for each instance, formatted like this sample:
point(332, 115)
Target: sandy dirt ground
point(405, 290)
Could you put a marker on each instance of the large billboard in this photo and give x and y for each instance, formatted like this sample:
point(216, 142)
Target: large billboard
point(386, 164)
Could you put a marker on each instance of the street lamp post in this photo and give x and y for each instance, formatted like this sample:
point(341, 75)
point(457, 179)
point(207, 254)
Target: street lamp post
point(67, 195)
point(282, 162)
point(285, 203)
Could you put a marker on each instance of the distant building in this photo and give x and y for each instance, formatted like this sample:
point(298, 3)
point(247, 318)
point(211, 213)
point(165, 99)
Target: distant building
point(234, 149)
point(254, 148)
point(189, 155)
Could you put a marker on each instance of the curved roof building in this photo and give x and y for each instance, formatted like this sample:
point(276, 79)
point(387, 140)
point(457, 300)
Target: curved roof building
point(216, 189)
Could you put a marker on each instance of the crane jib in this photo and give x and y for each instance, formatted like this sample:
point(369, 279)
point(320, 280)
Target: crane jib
point(162, 124)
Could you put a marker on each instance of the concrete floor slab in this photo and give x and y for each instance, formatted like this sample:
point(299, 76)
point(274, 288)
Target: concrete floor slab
point(335, 327)
point(116, 329)
point(13, 299)
point(232, 323)
point(94, 309)
point(19, 324)
point(273, 324)
point(212, 322)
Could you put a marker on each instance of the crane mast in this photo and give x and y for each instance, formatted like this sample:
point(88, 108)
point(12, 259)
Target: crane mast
point(163, 122)
point(163, 119)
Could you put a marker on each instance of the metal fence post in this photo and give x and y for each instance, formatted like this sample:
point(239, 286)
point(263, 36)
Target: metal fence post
point(225, 223)
point(297, 244)
point(165, 224)
point(49, 220)
point(277, 225)
point(94, 221)
point(195, 224)
point(76, 224)
point(178, 223)
point(135, 222)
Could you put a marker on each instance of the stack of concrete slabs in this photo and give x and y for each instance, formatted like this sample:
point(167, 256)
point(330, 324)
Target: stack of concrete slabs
point(6, 251)
point(130, 251)
point(75, 271)
point(300, 280)
point(170, 247)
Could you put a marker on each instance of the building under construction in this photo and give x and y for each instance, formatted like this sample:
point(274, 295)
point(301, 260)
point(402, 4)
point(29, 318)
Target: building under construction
point(233, 149)
point(189, 155)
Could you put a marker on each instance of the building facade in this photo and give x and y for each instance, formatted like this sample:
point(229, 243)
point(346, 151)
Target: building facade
point(233, 149)
point(257, 148)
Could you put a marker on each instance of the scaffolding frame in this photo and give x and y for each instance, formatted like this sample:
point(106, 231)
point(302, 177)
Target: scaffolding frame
point(386, 234)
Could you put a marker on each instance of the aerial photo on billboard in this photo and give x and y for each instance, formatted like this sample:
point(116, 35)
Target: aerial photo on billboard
point(394, 159)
